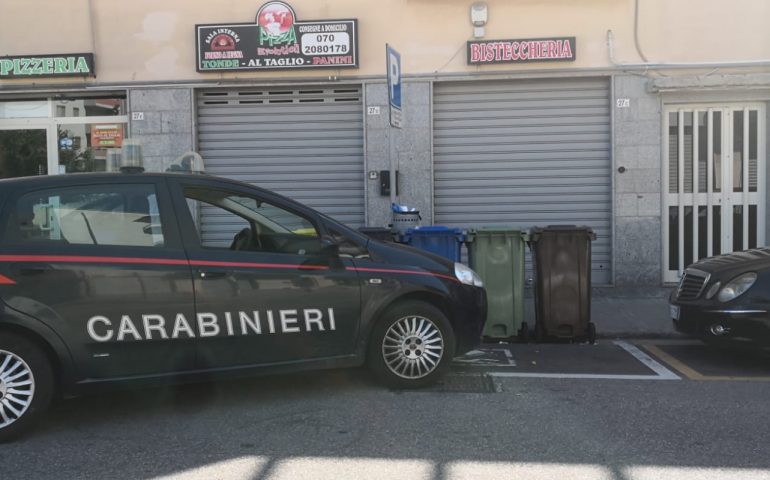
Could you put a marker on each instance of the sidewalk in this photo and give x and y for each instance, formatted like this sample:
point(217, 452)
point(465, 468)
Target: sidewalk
point(623, 313)
point(637, 313)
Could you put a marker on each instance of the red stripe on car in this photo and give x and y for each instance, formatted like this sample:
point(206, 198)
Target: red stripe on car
point(213, 263)
point(79, 259)
point(195, 263)
point(149, 261)
point(407, 272)
point(6, 281)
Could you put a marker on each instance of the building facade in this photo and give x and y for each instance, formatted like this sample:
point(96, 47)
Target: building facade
point(646, 120)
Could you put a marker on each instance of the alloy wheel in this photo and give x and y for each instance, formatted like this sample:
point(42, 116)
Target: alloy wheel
point(17, 388)
point(413, 347)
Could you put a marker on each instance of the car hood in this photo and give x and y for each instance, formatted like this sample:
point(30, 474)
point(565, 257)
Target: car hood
point(398, 254)
point(734, 263)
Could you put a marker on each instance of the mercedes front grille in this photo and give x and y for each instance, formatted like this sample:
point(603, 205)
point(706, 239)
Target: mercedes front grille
point(692, 284)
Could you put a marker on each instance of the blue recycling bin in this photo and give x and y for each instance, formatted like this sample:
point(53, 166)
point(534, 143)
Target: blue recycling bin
point(437, 239)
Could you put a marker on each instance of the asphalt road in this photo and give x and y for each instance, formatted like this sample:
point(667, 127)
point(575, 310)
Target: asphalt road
point(340, 425)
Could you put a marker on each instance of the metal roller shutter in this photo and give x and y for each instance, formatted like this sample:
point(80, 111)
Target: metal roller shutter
point(525, 153)
point(303, 142)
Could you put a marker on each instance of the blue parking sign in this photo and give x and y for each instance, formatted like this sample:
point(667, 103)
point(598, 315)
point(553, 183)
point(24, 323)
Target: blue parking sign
point(394, 85)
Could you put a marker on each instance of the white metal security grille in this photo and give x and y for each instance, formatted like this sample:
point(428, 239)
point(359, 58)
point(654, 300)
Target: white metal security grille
point(714, 189)
point(525, 153)
point(302, 142)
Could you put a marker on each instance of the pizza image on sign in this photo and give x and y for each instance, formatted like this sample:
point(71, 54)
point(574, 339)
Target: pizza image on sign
point(276, 21)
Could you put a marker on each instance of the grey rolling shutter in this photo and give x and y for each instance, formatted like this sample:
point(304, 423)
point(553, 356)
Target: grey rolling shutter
point(303, 142)
point(525, 153)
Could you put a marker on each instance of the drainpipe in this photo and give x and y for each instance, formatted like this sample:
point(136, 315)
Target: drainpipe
point(636, 33)
point(91, 24)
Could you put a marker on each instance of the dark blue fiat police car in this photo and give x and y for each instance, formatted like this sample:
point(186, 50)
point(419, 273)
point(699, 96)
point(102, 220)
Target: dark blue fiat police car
point(110, 279)
point(725, 300)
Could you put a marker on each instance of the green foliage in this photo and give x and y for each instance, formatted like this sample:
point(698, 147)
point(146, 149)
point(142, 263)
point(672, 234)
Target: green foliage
point(75, 160)
point(23, 153)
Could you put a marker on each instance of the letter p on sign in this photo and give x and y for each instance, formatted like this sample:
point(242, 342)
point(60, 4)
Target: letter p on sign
point(394, 85)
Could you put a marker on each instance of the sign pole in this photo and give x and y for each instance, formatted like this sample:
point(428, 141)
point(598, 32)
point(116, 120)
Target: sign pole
point(392, 171)
point(393, 65)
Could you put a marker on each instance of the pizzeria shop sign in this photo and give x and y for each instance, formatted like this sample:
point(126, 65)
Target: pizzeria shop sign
point(54, 65)
point(277, 40)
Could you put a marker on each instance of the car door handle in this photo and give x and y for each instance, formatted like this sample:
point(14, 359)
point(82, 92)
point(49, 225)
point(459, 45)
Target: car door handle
point(208, 274)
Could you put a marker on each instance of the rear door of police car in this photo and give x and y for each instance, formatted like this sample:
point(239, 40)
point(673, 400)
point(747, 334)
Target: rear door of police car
point(99, 261)
point(266, 290)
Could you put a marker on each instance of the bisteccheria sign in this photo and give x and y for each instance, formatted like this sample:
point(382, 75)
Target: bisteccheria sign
point(55, 65)
point(481, 52)
point(155, 327)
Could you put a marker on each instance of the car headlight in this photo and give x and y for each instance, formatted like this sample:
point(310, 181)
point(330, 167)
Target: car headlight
point(737, 287)
point(467, 276)
point(713, 290)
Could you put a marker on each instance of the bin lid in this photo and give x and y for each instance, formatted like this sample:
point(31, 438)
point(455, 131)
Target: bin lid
point(563, 229)
point(435, 228)
point(501, 230)
point(438, 230)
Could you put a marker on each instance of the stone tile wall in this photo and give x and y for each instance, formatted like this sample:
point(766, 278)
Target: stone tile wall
point(638, 188)
point(166, 131)
point(411, 147)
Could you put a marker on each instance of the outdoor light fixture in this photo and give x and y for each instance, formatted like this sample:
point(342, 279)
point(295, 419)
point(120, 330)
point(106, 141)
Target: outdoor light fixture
point(479, 14)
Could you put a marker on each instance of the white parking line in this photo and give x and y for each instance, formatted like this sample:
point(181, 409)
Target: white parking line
point(661, 372)
point(647, 361)
point(593, 376)
point(511, 361)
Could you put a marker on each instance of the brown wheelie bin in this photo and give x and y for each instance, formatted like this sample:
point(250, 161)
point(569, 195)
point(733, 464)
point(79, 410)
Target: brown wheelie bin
point(561, 257)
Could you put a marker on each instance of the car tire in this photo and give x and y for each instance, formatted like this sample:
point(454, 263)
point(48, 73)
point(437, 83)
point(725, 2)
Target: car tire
point(26, 384)
point(411, 346)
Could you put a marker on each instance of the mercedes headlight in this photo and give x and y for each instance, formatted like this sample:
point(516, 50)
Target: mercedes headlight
point(467, 276)
point(737, 287)
point(713, 290)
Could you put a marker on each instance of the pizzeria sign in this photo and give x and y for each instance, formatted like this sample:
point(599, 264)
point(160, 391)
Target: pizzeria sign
point(277, 40)
point(54, 65)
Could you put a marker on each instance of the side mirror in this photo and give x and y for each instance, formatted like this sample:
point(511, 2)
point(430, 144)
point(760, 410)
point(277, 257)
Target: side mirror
point(329, 246)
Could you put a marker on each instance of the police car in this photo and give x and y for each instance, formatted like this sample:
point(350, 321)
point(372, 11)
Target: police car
point(112, 279)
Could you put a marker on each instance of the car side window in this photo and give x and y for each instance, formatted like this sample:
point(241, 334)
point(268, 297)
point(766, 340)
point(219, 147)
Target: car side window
point(347, 247)
point(236, 221)
point(118, 215)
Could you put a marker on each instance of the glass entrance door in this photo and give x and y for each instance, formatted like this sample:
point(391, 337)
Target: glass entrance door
point(61, 135)
point(713, 183)
point(23, 152)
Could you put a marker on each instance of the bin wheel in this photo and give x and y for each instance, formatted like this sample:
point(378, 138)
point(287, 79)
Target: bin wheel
point(591, 333)
point(524, 333)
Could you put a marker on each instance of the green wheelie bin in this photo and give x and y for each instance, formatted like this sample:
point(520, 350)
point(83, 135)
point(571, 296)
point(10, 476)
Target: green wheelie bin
point(497, 255)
